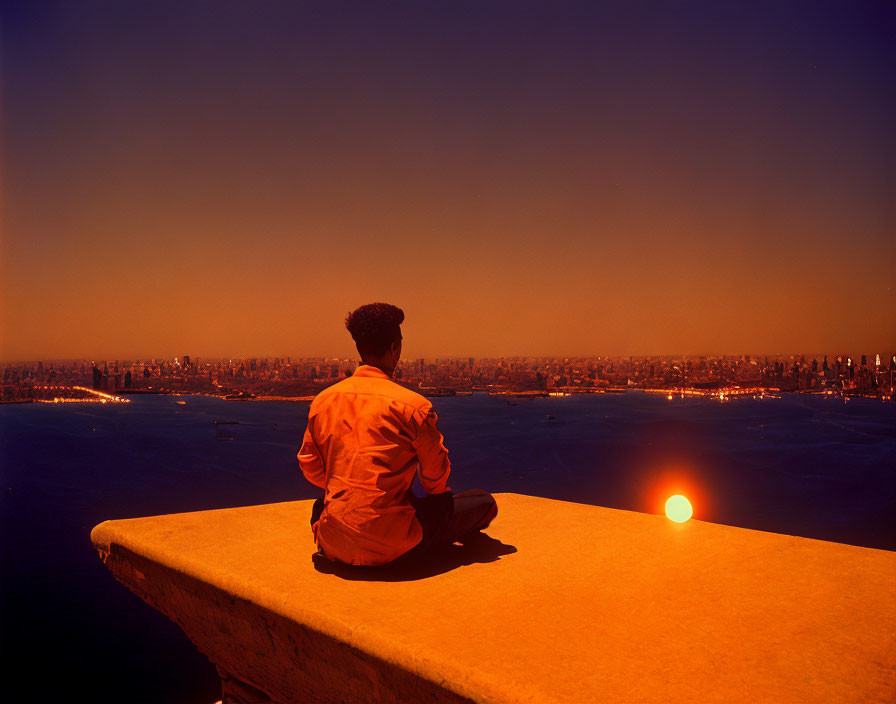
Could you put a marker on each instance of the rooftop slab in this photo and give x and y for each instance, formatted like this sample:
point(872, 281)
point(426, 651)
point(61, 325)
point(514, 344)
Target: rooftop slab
point(564, 602)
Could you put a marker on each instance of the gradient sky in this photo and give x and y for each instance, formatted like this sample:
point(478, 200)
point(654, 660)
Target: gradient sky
point(230, 179)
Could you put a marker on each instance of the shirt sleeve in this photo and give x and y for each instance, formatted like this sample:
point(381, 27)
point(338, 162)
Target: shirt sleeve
point(434, 464)
point(310, 461)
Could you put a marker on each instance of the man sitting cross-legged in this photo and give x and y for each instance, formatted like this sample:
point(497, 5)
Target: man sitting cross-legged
point(366, 438)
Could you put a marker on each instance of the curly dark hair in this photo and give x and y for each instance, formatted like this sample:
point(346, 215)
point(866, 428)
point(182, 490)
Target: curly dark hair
point(374, 327)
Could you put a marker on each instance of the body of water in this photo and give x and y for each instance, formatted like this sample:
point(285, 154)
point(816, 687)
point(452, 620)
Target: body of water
point(804, 465)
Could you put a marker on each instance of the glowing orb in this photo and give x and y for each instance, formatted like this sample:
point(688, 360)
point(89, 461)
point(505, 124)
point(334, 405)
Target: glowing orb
point(678, 508)
point(669, 397)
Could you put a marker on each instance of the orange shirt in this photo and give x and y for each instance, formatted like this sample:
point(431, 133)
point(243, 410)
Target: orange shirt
point(366, 437)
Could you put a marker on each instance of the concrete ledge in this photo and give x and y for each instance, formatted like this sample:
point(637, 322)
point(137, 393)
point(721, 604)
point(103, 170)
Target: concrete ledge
point(564, 603)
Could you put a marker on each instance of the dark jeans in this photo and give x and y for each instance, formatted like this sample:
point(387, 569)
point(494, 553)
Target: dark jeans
point(446, 518)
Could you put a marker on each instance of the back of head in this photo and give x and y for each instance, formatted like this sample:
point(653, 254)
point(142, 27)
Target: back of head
point(374, 327)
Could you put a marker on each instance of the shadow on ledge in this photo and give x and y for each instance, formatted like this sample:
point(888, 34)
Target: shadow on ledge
point(478, 548)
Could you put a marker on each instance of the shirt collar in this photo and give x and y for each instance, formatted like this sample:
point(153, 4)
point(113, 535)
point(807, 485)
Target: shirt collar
point(370, 370)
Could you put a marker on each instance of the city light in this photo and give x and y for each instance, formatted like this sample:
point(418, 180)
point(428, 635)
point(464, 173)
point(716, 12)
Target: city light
point(94, 396)
point(708, 378)
point(724, 394)
point(678, 508)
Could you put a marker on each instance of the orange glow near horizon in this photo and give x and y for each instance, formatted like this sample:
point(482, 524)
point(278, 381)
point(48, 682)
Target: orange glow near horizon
point(236, 197)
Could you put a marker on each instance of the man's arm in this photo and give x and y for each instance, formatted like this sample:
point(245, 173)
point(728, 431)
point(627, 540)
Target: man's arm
point(310, 461)
point(434, 464)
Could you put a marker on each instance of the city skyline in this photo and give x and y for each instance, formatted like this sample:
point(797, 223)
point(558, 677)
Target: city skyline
point(522, 179)
point(300, 379)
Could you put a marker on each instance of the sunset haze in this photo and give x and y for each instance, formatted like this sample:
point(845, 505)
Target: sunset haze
point(231, 179)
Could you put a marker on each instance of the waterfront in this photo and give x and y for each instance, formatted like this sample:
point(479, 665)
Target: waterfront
point(805, 465)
